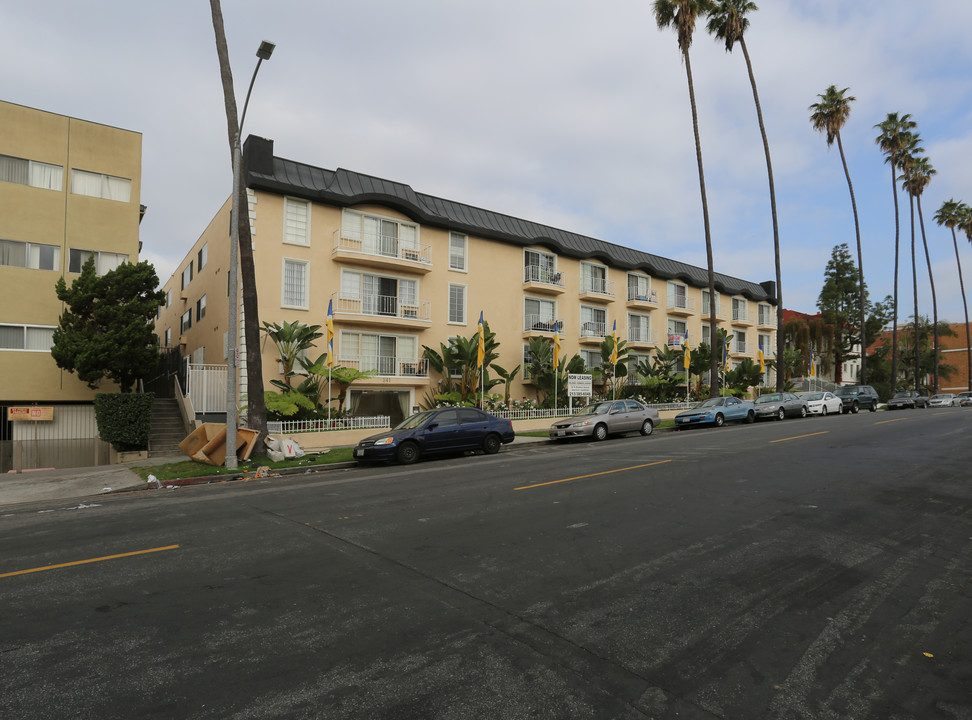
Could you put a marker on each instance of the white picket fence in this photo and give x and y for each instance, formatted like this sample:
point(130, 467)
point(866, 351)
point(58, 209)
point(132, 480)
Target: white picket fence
point(288, 427)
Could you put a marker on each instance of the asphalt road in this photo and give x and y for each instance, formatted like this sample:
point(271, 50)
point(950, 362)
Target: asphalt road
point(817, 568)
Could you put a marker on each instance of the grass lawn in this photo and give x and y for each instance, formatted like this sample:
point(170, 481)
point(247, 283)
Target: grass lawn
point(190, 468)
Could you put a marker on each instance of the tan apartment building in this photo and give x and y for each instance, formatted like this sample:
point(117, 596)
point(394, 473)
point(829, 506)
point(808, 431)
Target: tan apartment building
point(403, 270)
point(69, 189)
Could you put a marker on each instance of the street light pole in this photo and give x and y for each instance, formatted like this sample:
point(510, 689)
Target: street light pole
point(263, 53)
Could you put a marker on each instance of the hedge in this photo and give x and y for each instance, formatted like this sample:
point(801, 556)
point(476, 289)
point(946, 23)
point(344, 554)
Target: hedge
point(124, 419)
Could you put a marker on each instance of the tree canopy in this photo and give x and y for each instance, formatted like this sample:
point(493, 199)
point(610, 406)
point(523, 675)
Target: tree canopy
point(106, 328)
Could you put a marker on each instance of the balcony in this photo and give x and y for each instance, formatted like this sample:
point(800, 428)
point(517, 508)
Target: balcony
point(640, 336)
point(642, 302)
point(540, 325)
point(739, 347)
point(680, 305)
point(389, 370)
point(766, 321)
point(593, 332)
point(597, 289)
point(740, 315)
point(542, 280)
point(382, 310)
point(381, 251)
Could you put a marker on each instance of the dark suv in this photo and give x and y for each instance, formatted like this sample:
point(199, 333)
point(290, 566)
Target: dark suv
point(857, 397)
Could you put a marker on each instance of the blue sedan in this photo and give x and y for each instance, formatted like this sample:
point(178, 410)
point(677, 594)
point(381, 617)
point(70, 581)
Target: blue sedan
point(433, 432)
point(716, 411)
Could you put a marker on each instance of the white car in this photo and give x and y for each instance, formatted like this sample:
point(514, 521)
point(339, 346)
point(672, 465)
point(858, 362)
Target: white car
point(822, 403)
point(942, 400)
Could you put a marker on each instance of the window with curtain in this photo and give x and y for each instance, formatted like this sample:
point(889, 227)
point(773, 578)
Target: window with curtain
point(186, 275)
point(638, 286)
point(185, 322)
point(14, 253)
point(33, 338)
point(32, 173)
point(98, 185)
point(457, 303)
point(296, 221)
point(457, 251)
point(639, 328)
point(295, 276)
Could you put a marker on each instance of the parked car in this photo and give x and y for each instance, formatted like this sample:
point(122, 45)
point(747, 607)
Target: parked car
point(858, 397)
point(610, 417)
point(964, 399)
point(822, 403)
point(907, 399)
point(942, 400)
point(716, 411)
point(779, 405)
point(434, 432)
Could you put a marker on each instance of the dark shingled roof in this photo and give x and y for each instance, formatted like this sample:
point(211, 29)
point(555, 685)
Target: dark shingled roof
point(264, 171)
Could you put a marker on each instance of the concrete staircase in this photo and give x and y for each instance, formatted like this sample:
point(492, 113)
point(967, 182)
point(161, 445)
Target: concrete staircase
point(168, 429)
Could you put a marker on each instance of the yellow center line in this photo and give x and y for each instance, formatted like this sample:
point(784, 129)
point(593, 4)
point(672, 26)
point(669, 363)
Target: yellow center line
point(581, 477)
point(941, 413)
point(91, 560)
point(881, 422)
point(797, 437)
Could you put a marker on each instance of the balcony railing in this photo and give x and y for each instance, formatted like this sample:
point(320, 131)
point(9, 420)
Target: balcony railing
point(680, 302)
point(545, 276)
point(634, 295)
point(387, 365)
point(766, 318)
point(593, 329)
point(383, 306)
point(640, 335)
point(382, 246)
point(541, 323)
point(705, 308)
point(739, 314)
point(599, 286)
point(739, 347)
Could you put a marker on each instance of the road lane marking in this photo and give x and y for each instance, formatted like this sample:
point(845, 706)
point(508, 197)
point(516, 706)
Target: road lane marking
point(881, 422)
point(581, 477)
point(797, 437)
point(90, 560)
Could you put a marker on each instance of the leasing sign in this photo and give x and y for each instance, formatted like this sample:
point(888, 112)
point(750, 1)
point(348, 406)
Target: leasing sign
point(30, 412)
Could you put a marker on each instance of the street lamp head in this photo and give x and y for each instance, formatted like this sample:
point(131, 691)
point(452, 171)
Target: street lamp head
point(265, 50)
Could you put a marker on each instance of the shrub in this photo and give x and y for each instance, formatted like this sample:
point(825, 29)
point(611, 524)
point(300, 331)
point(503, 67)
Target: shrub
point(124, 419)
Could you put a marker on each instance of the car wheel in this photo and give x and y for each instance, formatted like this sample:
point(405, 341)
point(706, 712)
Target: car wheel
point(408, 453)
point(781, 414)
point(719, 420)
point(647, 427)
point(873, 407)
point(750, 417)
point(840, 409)
point(803, 411)
point(824, 410)
point(855, 408)
point(600, 432)
point(491, 444)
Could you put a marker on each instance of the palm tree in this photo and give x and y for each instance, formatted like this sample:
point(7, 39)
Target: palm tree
point(256, 411)
point(829, 115)
point(892, 141)
point(293, 340)
point(681, 15)
point(920, 173)
point(728, 22)
point(910, 152)
point(951, 214)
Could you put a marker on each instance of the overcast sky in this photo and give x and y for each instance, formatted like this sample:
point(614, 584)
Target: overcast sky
point(573, 114)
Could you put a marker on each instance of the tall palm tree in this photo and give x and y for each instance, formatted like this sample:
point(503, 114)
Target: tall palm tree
point(681, 16)
point(910, 153)
point(920, 174)
point(891, 140)
point(829, 116)
point(951, 214)
point(728, 22)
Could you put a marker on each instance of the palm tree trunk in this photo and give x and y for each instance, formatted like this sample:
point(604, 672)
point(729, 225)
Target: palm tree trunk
point(776, 226)
point(713, 336)
point(860, 264)
point(965, 305)
point(256, 408)
point(931, 281)
point(897, 234)
point(914, 281)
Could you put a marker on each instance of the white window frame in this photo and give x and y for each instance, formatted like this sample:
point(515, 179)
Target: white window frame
point(673, 331)
point(353, 228)
point(101, 185)
point(639, 277)
point(586, 353)
point(674, 290)
point(101, 260)
point(463, 256)
point(167, 338)
point(26, 331)
point(296, 230)
point(541, 315)
point(641, 320)
point(34, 263)
point(762, 309)
point(589, 278)
point(462, 289)
point(284, 262)
point(45, 176)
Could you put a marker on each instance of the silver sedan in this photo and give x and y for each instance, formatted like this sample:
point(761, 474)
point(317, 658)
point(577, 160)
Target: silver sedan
point(610, 417)
point(779, 405)
point(822, 403)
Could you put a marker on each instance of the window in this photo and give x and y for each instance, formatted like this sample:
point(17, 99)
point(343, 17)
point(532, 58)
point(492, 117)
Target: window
point(294, 284)
point(540, 267)
point(200, 308)
point(739, 309)
point(591, 358)
point(98, 185)
point(185, 322)
point(296, 222)
point(395, 355)
point(32, 338)
point(765, 317)
point(677, 331)
point(457, 304)
point(380, 295)
point(32, 173)
point(594, 278)
point(104, 261)
point(378, 235)
point(705, 303)
point(457, 251)
point(639, 287)
point(168, 297)
point(764, 344)
point(186, 276)
point(639, 328)
point(539, 314)
point(593, 321)
point(30, 255)
point(168, 338)
point(677, 295)
point(202, 257)
point(739, 342)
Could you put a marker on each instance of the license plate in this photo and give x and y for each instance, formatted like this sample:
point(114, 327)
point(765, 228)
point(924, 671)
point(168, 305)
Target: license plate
point(560, 433)
point(359, 453)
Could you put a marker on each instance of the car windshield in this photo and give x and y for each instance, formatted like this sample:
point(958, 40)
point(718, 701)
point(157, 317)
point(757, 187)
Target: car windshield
point(940, 397)
point(903, 394)
point(414, 421)
point(812, 396)
point(601, 408)
point(769, 399)
point(711, 402)
point(846, 392)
